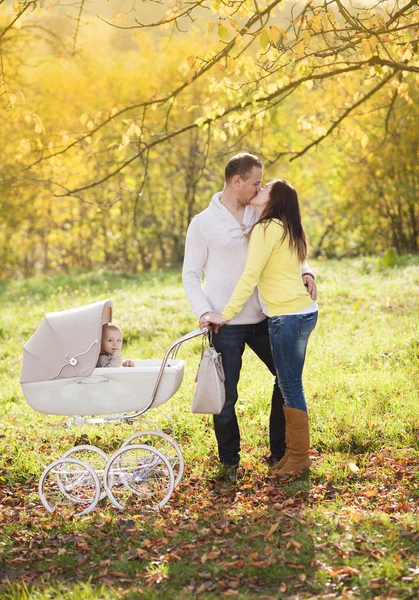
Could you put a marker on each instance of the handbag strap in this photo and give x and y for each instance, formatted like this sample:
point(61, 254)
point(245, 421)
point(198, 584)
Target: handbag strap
point(206, 342)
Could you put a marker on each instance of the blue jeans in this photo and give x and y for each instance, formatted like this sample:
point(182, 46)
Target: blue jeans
point(230, 342)
point(289, 335)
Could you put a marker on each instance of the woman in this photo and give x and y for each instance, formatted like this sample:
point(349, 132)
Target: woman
point(277, 246)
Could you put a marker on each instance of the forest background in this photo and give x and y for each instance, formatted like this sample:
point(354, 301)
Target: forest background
point(117, 119)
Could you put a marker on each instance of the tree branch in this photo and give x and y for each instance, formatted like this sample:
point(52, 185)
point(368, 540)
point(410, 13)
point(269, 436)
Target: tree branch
point(344, 115)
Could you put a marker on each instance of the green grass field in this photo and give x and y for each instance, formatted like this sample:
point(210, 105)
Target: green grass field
point(349, 529)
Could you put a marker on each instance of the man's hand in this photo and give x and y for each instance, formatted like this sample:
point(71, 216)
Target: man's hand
point(311, 286)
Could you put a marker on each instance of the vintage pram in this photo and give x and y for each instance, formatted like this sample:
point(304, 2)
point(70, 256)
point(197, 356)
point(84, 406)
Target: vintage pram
point(59, 377)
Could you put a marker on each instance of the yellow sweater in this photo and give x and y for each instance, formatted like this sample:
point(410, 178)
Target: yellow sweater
point(275, 269)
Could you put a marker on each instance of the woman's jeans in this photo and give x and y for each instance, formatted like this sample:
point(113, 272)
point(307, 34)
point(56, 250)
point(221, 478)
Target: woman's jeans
point(230, 342)
point(289, 335)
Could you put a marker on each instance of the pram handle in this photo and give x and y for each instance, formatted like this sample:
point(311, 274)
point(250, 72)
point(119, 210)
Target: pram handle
point(189, 336)
point(171, 352)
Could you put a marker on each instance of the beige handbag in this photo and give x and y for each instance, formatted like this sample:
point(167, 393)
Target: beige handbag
point(209, 396)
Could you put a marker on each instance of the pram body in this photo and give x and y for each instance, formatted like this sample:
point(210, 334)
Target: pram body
point(59, 377)
point(106, 391)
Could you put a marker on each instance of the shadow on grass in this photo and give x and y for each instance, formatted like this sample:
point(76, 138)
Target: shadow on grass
point(324, 535)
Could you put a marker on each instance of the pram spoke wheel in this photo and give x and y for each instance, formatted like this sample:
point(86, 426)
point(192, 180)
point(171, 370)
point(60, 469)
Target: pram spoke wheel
point(167, 446)
point(93, 456)
point(138, 477)
point(69, 486)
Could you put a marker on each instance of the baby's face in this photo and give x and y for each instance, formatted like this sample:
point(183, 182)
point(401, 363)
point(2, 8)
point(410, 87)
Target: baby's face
point(111, 341)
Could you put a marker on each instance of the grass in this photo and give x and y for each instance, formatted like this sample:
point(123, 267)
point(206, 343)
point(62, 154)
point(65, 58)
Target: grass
point(349, 529)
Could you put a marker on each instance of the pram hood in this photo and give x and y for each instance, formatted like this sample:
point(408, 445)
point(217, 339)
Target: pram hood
point(66, 344)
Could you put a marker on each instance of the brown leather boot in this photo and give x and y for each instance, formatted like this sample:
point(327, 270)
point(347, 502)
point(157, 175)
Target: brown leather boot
point(298, 443)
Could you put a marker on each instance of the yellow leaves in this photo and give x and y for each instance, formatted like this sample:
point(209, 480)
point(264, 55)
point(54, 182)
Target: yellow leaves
point(211, 26)
point(373, 43)
point(316, 23)
point(200, 121)
point(34, 118)
point(406, 53)
point(321, 131)
point(369, 45)
point(191, 61)
point(222, 30)
point(274, 32)
point(270, 35)
point(235, 25)
point(231, 63)
point(264, 39)
point(238, 40)
point(24, 147)
point(299, 49)
point(306, 37)
point(366, 48)
point(134, 130)
point(12, 99)
point(364, 140)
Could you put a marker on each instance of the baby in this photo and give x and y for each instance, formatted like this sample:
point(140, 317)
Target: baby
point(110, 350)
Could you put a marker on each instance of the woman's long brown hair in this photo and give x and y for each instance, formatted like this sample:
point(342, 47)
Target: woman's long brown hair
point(283, 205)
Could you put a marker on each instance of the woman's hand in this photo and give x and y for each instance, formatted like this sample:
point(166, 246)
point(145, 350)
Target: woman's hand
point(211, 318)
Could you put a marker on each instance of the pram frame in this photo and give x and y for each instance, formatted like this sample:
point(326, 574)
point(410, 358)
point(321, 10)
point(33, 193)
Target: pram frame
point(55, 469)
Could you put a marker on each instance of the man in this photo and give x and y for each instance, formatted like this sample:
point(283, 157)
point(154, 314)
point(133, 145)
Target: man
point(216, 245)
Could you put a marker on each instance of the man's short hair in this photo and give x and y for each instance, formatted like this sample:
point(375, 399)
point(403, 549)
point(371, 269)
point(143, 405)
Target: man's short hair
point(242, 164)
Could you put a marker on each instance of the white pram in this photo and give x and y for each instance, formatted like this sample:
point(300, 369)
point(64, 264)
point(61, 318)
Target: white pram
point(59, 377)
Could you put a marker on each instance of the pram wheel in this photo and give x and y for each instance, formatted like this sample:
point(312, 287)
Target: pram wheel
point(138, 477)
point(167, 446)
point(69, 485)
point(95, 457)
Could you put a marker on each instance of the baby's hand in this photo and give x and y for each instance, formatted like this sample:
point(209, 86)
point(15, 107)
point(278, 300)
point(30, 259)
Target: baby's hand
point(128, 363)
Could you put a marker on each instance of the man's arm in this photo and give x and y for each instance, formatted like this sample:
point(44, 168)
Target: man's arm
point(196, 253)
point(305, 270)
point(309, 280)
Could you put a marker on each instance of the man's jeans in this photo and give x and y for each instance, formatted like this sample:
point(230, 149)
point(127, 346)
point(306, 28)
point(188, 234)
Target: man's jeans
point(230, 342)
point(289, 338)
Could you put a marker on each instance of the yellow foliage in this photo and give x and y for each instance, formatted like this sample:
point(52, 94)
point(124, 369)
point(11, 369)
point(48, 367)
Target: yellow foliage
point(299, 49)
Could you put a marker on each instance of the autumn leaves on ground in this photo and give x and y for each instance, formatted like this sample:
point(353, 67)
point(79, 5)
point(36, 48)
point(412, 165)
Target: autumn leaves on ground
point(349, 529)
